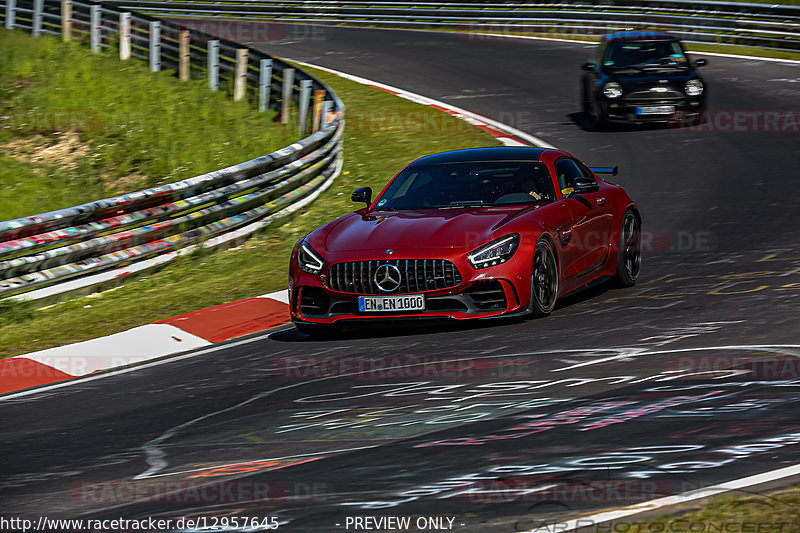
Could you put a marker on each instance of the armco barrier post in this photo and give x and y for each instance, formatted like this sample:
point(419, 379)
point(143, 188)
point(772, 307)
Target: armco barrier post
point(155, 46)
point(11, 12)
point(305, 98)
point(286, 94)
point(316, 109)
point(36, 25)
point(213, 65)
point(95, 27)
point(183, 55)
point(124, 36)
point(66, 20)
point(240, 80)
point(264, 83)
point(326, 109)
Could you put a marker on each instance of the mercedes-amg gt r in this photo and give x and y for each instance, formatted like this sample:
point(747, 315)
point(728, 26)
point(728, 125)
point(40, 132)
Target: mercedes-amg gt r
point(478, 233)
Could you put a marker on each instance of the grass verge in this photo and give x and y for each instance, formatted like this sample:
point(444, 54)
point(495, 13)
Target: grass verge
point(77, 126)
point(773, 512)
point(383, 134)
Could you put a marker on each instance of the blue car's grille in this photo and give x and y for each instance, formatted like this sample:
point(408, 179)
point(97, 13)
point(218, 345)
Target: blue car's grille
point(416, 275)
point(653, 95)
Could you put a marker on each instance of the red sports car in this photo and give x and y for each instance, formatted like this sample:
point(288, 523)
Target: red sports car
point(478, 233)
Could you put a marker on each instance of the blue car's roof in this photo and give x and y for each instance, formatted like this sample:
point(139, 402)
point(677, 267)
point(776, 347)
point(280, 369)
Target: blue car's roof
point(639, 36)
point(494, 153)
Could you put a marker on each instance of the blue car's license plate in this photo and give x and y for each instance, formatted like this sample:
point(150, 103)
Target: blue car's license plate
point(655, 110)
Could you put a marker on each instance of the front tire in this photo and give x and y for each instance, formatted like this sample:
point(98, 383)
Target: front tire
point(596, 120)
point(629, 251)
point(544, 281)
point(586, 107)
point(592, 113)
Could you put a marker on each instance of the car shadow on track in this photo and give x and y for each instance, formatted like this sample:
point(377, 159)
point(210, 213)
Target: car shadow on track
point(586, 294)
point(392, 328)
point(580, 120)
point(412, 327)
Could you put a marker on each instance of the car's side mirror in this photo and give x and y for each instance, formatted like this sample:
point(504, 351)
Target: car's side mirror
point(588, 66)
point(362, 195)
point(583, 185)
point(701, 63)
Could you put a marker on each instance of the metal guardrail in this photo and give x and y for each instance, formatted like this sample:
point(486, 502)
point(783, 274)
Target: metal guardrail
point(82, 246)
point(773, 26)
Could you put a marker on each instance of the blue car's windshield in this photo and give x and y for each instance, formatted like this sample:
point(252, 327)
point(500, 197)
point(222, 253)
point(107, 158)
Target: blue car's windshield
point(454, 185)
point(645, 54)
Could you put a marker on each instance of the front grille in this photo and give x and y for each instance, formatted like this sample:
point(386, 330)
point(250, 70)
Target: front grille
point(416, 275)
point(653, 95)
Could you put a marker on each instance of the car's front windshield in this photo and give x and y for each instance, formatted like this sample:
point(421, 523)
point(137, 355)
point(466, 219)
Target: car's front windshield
point(645, 55)
point(472, 184)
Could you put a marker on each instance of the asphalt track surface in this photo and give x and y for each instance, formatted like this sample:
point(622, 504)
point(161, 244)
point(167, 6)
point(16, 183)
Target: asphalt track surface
point(688, 379)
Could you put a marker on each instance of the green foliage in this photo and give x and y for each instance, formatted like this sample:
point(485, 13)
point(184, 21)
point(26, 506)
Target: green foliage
point(14, 312)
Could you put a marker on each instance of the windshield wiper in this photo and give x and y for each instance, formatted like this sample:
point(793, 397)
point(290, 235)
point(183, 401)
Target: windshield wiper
point(621, 69)
point(664, 62)
point(663, 67)
point(454, 205)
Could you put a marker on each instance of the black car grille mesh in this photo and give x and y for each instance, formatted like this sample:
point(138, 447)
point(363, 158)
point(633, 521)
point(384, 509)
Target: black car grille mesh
point(313, 302)
point(487, 295)
point(416, 275)
point(653, 95)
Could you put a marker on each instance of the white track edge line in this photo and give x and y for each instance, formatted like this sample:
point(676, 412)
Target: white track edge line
point(753, 58)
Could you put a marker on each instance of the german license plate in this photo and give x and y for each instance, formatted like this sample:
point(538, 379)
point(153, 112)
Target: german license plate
point(655, 110)
point(388, 304)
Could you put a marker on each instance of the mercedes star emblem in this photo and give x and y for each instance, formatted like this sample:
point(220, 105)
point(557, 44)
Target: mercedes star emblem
point(387, 278)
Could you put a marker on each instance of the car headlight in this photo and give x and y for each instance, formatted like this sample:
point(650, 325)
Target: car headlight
point(612, 90)
point(694, 87)
point(309, 260)
point(496, 252)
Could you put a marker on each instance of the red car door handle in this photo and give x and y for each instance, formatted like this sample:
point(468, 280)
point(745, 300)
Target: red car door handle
point(601, 201)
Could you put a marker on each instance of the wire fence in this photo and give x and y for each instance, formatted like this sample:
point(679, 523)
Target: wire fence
point(772, 26)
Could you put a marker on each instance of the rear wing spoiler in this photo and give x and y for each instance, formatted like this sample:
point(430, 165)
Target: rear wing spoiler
point(605, 170)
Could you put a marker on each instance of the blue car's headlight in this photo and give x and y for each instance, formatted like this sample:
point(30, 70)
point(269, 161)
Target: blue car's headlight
point(694, 87)
point(309, 260)
point(496, 252)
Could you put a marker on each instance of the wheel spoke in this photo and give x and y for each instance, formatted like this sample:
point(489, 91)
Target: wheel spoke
point(543, 277)
point(631, 252)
